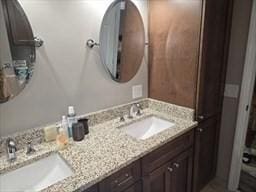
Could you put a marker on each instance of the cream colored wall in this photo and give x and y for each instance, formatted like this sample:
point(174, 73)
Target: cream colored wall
point(67, 72)
point(238, 42)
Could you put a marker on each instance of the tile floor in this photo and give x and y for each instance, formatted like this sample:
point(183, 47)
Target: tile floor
point(250, 168)
point(215, 186)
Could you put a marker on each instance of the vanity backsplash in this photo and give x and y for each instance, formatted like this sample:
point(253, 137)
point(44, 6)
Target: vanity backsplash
point(36, 135)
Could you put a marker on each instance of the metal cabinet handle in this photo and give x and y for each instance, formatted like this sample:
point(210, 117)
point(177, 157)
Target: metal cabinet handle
point(124, 181)
point(128, 178)
point(170, 169)
point(200, 117)
point(176, 165)
point(200, 130)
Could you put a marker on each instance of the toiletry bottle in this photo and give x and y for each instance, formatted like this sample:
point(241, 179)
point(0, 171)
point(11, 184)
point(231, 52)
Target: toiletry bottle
point(64, 124)
point(62, 139)
point(71, 119)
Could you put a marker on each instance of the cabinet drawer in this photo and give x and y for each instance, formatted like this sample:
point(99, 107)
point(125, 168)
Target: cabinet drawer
point(134, 188)
point(122, 179)
point(163, 154)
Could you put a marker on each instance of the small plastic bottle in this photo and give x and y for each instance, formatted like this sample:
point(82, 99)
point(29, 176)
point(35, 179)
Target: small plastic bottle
point(64, 124)
point(62, 139)
point(71, 119)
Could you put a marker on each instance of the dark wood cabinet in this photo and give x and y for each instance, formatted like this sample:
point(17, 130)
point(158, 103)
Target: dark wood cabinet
point(212, 65)
point(210, 90)
point(158, 180)
point(92, 189)
point(167, 152)
point(182, 172)
point(195, 77)
point(166, 169)
point(169, 168)
point(134, 188)
point(173, 176)
point(123, 179)
point(205, 153)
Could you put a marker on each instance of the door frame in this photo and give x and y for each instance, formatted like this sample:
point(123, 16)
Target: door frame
point(245, 99)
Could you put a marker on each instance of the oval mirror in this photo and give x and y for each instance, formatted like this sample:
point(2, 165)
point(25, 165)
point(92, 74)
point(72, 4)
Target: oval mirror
point(122, 40)
point(17, 49)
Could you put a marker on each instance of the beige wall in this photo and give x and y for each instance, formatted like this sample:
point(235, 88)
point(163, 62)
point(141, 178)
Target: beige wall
point(66, 72)
point(239, 34)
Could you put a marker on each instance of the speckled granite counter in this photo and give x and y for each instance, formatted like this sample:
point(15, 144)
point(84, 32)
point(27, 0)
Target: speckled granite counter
point(107, 148)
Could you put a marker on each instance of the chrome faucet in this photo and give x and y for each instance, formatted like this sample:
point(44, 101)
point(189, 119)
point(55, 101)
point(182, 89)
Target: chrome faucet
point(11, 149)
point(135, 110)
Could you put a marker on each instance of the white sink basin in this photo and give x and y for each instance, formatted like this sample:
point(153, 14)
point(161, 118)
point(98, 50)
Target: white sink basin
point(147, 127)
point(36, 176)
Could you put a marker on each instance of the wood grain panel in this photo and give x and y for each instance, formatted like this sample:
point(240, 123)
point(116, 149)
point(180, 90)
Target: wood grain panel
point(174, 33)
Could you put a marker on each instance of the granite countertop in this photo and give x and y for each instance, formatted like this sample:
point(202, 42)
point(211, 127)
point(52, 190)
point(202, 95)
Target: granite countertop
point(104, 151)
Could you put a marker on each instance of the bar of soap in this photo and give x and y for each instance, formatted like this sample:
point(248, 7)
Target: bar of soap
point(50, 133)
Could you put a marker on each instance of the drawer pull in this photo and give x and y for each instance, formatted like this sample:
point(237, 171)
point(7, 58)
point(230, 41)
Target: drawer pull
point(119, 183)
point(170, 169)
point(200, 130)
point(201, 117)
point(176, 165)
point(124, 181)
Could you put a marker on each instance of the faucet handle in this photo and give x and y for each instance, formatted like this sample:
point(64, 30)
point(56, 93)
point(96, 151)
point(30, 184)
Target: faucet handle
point(122, 119)
point(139, 108)
point(139, 112)
point(30, 148)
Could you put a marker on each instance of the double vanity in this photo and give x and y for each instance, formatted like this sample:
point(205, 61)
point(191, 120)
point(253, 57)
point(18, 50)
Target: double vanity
point(142, 146)
point(166, 50)
point(151, 151)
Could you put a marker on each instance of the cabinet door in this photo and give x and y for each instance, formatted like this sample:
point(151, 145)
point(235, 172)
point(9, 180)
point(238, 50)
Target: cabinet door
point(182, 172)
point(158, 180)
point(205, 153)
point(174, 176)
point(212, 69)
